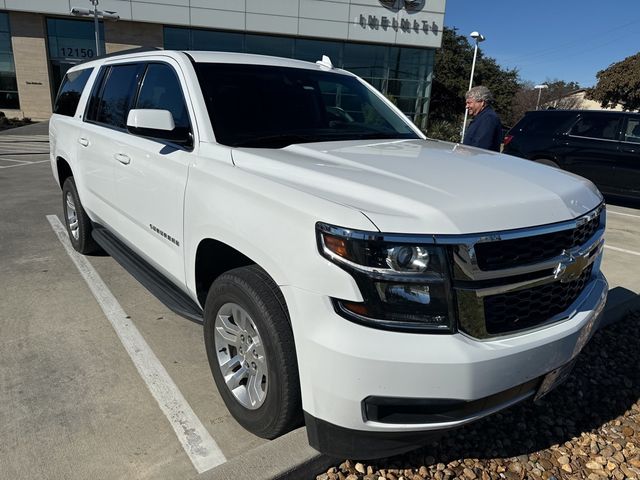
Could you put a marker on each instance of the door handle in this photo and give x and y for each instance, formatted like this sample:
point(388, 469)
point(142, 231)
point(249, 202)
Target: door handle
point(122, 158)
point(83, 141)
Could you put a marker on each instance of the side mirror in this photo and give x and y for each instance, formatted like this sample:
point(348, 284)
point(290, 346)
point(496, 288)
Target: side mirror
point(156, 124)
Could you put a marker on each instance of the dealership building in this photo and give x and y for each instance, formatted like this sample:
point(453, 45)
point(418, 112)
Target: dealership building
point(390, 43)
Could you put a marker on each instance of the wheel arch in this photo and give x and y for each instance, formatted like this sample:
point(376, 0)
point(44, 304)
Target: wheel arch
point(213, 258)
point(63, 170)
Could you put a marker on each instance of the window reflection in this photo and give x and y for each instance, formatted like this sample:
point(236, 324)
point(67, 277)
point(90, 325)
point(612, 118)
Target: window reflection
point(70, 41)
point(8, 85)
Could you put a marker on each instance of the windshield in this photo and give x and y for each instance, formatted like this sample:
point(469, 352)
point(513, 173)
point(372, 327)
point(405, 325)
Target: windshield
point(272, 107)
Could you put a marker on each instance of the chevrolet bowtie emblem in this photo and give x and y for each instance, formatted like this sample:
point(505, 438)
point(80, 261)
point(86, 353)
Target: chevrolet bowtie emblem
point(408, 5)
point(570, 268)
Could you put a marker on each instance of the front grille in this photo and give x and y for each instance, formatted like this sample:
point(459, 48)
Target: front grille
point(527, 308)
point(521, 251)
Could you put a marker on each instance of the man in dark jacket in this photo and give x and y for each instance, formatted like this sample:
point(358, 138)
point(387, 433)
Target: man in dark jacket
point(485, 130)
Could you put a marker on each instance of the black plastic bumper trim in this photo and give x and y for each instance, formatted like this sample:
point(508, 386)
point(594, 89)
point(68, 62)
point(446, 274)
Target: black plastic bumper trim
point(394, 410)
point(343, 442)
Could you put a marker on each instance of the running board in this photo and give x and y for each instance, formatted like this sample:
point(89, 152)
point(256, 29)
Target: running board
point(165, 291)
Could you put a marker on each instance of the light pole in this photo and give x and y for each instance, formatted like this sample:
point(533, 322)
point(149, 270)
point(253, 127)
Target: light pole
point(96, 14)
point(539, 88)
point(478, 38)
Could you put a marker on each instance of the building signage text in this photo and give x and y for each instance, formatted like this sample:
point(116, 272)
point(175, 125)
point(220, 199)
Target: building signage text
point(406, 25)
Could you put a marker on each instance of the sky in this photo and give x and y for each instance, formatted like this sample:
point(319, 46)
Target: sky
point(568, 40)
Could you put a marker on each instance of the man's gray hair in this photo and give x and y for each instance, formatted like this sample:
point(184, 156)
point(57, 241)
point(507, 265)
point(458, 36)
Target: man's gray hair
point(480, 93)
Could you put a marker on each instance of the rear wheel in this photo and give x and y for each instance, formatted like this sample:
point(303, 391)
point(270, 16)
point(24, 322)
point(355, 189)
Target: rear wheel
point(251, 351)
point(76, 219)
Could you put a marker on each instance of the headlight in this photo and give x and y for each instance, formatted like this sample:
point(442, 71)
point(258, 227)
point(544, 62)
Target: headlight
point(404, 282)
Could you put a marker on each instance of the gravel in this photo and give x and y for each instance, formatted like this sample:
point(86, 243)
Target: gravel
point(588, 428)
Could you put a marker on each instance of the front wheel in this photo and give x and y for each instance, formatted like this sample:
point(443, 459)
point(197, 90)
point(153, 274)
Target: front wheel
point(251, 351)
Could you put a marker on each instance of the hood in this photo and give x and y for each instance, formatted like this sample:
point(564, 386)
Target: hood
point(426, 186)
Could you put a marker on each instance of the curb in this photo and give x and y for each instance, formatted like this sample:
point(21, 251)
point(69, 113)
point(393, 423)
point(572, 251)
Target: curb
point(288, 457)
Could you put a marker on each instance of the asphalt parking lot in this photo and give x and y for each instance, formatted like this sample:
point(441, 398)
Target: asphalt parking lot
point(101, 380)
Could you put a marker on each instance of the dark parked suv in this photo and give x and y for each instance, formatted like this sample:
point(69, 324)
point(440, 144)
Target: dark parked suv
point(602, 146)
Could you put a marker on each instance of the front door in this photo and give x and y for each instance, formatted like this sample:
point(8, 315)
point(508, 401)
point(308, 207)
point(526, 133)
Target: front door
point(151, 174)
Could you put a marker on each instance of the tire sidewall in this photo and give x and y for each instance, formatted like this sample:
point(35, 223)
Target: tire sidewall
point(84, 243)
point(223, 291)
point(69, 188)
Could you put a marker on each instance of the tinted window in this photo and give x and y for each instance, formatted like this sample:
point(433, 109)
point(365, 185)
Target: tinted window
point(113, 103)
point(161, 90)
point(272, 107)
point(597, 126)
point(632, 130)
point(545, 123)
point(70, 91)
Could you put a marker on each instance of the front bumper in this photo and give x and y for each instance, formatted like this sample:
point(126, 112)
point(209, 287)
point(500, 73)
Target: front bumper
point(342, 364)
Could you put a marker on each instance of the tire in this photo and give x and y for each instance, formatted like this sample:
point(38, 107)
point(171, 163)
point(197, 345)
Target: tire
point(251, 351)
point(549, 163)
point(76, 219)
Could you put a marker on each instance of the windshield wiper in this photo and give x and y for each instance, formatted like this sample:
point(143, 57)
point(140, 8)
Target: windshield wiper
point(278, 141)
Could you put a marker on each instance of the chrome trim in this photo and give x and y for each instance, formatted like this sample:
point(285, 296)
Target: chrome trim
point(587, 255)
point(415, 239)
point(465, 259)
point(593, 138)
point(475, 328)
point(457, 239)
point(379, 272)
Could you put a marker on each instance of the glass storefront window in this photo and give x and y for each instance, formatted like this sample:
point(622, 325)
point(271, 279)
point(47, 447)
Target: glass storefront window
point(269, 45)
point(176, 38)
point(71, 41)
point(366, 60)
point(8, 86)
point(313, 50)
point(221, 41)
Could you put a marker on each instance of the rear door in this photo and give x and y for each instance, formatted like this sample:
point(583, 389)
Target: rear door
point(591, 147)
point(103, 130)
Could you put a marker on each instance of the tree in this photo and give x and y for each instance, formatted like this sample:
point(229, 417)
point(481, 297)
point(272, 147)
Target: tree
point(619, 84)
point(451, 80)
point(556, 95)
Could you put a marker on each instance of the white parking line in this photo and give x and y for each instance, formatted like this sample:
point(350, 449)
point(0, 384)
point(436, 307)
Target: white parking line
point(22, 164)
point(201, 448)
point(622, 250)
point(623, 214)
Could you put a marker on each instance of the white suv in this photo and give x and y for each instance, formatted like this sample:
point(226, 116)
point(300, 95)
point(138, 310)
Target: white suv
point(349, 272)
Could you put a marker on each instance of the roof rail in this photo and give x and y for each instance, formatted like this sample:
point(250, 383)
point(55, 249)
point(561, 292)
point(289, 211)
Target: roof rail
point(124, 52)
point(130, 50)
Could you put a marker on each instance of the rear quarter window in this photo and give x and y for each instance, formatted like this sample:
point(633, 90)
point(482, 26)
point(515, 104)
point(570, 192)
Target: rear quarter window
point(70, 91)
